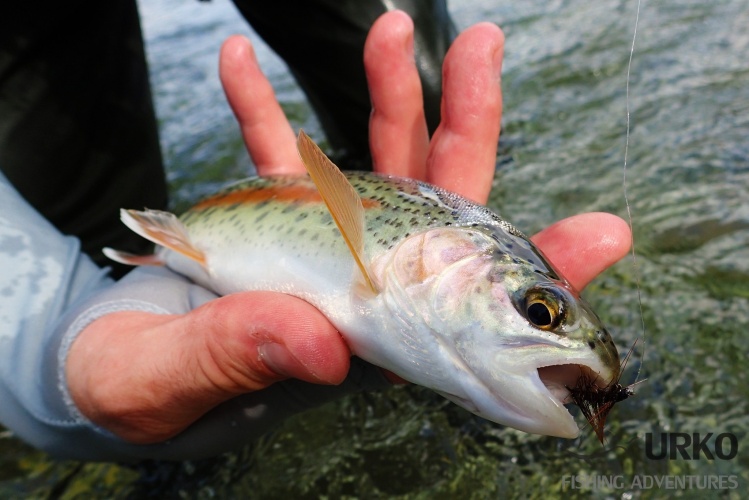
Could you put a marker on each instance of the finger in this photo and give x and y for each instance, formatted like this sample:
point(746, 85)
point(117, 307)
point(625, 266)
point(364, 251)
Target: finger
point(463, 152)
point(581, 247)
point(398, 135)
point(267, 134)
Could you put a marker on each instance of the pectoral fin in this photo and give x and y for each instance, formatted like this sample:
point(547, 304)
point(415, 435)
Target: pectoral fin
point(162, 228)
point(342, 200)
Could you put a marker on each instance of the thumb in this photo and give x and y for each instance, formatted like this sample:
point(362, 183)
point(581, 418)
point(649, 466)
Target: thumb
point(247, 341)
point(146, 377)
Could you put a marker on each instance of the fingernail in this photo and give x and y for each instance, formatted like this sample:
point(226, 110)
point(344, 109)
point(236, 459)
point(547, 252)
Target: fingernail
point(278, 358)
point(408, 47)
point(402, 29)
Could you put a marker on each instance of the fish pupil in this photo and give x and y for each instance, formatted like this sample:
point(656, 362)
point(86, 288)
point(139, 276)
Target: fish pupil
point(539, 314)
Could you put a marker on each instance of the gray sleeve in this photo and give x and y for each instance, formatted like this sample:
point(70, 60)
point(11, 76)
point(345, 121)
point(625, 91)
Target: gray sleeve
point(42, 273)
point(49, 292)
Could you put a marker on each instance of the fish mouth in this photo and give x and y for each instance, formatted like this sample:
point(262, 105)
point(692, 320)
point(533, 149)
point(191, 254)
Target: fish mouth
point(556, 381)
point(532, 398)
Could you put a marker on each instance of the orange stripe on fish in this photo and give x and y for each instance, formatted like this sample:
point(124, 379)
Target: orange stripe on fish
point(281, 194)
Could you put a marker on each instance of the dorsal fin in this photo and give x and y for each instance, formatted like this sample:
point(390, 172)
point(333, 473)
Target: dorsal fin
point(162, 228)
point(342, 200)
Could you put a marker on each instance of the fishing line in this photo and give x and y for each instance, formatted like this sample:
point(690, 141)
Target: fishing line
point(635, 267)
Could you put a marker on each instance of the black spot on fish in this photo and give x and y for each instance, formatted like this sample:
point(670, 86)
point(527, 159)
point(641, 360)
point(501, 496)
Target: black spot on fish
point(293, 207)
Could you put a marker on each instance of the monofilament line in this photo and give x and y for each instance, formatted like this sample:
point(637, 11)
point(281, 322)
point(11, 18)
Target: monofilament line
point(635, 268)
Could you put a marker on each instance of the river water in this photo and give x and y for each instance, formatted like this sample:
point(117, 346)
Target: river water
point(561, 153)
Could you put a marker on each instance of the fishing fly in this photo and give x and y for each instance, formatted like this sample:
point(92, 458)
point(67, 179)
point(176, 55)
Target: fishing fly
point(596, 402)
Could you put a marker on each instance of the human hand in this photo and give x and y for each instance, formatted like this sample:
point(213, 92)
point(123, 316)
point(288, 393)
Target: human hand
point(147, 377)
point(461, 157)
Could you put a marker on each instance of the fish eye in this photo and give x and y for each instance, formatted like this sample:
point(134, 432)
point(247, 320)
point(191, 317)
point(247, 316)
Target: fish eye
point(544, 308)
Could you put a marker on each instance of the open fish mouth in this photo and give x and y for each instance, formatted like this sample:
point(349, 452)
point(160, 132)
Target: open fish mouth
point(559, 378)
point(532, 398)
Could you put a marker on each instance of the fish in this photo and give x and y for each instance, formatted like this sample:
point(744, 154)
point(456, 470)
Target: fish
point(420, 281)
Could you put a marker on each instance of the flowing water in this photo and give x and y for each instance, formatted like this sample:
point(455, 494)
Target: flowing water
point(561, 153)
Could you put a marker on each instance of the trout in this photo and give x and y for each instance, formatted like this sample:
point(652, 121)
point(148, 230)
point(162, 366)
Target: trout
point(440, 291)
